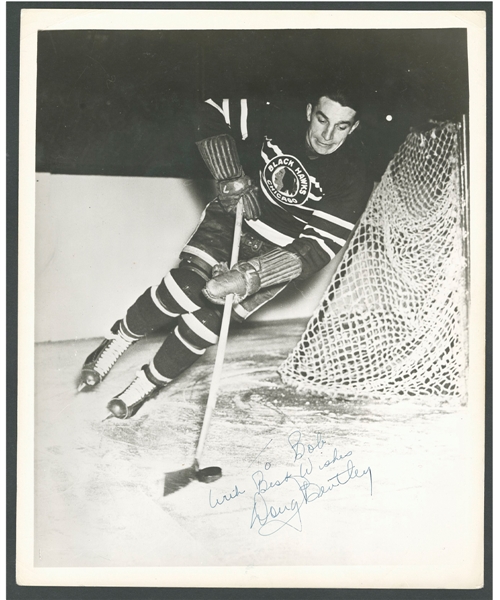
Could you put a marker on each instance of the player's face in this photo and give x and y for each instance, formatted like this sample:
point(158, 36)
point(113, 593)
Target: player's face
point(329, 125)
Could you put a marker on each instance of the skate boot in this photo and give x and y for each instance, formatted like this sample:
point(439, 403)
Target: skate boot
point(98, 364)
point(128, 402)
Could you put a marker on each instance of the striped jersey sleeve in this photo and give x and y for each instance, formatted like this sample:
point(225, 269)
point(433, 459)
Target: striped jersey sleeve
point(332, 222)
point(235, 114)
point(240, 117)
point(328, 231)
point(244, 119)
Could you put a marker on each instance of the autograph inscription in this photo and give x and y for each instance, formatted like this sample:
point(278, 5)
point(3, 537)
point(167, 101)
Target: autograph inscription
point(225, 498)
point(299, 485)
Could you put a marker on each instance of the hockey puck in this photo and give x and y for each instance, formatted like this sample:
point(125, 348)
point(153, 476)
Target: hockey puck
point(209, 474)
point(118, 408)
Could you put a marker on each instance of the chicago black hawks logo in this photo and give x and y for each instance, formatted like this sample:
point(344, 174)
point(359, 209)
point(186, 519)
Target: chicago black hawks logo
point(286, 180)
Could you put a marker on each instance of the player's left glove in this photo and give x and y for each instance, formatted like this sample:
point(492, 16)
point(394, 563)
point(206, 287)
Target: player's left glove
point(248, 277)
point(221, 157)
point(232, 190)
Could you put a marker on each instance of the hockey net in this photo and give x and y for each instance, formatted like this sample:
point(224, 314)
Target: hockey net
point(393, 321)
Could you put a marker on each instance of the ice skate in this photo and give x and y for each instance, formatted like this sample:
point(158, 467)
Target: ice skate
point(127, 403)
point(99, 363)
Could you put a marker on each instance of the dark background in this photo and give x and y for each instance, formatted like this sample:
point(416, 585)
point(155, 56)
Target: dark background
point(119, 102)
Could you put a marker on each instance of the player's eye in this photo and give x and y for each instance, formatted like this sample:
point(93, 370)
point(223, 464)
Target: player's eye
point(320, 119)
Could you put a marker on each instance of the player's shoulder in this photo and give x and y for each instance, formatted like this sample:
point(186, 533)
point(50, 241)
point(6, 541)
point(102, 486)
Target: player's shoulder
point(349, 172)
point(353, 159)
point(355, 149)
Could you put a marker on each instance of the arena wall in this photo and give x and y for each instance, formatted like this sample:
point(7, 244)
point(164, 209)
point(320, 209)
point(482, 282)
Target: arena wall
point(100, 241)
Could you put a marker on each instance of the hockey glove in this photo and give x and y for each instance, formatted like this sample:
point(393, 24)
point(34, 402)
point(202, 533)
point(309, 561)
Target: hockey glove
point(221, 157)
point(247, 278)
point(230, 192)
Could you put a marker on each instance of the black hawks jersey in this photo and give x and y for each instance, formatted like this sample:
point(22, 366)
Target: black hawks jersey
point(310, 203)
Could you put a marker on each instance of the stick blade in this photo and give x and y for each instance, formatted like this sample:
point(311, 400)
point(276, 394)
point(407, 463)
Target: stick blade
point(176, 480)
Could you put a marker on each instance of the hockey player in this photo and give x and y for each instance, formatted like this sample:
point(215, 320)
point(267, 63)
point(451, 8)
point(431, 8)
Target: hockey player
point(299, 208)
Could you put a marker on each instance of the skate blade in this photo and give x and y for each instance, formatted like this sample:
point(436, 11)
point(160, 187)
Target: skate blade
point(83, 386)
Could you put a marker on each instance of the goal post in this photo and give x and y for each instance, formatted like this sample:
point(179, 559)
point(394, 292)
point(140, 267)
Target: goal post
point(393, 322)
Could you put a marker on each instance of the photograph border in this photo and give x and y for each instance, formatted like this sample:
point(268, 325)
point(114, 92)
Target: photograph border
point(12, 247)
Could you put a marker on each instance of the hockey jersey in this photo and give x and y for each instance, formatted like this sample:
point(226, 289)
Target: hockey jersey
point(310, 203)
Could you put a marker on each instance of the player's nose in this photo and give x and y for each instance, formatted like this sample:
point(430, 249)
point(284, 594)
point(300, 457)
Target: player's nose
point(328, 133)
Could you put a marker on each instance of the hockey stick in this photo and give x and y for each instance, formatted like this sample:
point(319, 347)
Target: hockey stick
point(176, 480)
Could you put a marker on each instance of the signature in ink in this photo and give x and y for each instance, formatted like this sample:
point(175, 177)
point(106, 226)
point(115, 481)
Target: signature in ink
point(272, 518)
point(299, 449)
point(299, 484)
point(225, 497)
point(312, 491)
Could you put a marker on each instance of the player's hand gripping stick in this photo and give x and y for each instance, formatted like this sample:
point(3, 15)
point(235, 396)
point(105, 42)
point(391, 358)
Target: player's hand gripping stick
point(247, 278)
point(220, 154)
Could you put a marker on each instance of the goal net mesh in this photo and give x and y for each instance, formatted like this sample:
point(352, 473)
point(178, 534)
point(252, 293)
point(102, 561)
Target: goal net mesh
point(393, 321)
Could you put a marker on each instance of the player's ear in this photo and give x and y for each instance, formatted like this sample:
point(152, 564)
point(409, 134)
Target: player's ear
point(354, 127)
point(309, 109)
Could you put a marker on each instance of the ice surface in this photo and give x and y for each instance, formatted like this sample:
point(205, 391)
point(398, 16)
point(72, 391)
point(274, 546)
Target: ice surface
point(98, 483)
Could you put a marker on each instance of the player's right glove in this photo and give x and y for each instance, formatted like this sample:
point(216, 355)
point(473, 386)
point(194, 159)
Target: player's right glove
point(248, 277)
point(221, 157)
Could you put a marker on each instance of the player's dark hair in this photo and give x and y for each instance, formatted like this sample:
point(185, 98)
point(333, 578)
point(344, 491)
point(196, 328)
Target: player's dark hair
point(340, 95)
point(342, 90)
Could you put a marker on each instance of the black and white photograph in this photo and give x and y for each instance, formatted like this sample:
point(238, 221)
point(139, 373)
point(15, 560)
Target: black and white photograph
point(252, 298)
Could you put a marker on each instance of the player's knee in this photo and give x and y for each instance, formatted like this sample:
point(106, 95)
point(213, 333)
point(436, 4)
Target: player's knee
point(201, 329)
point(196, 264)
point(180, 291)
